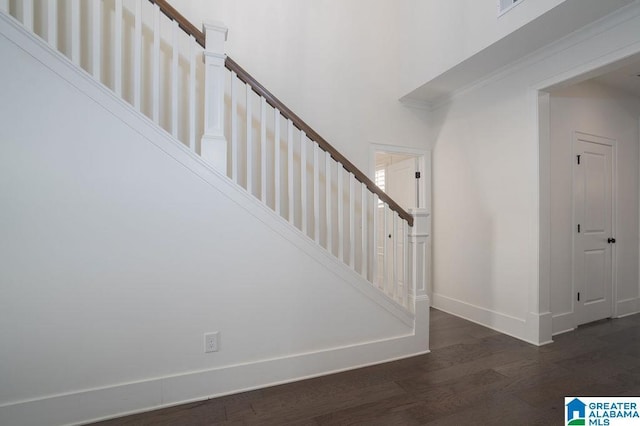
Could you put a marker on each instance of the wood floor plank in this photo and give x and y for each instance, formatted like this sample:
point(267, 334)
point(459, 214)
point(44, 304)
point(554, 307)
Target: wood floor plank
point(473, 375)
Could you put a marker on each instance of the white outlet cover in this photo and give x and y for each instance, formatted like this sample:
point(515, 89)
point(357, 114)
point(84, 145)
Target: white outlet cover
point(211, 342)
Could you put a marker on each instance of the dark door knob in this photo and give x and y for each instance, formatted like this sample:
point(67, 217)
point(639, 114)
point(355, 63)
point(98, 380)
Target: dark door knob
point(611, 240)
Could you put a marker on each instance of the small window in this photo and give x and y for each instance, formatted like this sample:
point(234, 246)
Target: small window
point(505, 5)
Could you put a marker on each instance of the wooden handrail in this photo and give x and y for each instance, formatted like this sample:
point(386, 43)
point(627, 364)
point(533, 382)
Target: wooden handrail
point(245, 77)
point(183, 22)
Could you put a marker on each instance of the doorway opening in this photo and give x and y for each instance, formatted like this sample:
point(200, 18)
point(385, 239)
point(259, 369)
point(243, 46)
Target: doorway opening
point(405, 175)
point(402, 173)
point(589, 171)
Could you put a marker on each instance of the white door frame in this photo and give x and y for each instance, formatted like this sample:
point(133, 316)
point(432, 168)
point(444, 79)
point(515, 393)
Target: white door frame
point(424, 166)
point(603, 140)
point(539, 290)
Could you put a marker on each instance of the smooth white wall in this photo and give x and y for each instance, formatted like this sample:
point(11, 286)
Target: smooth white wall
point(437, 35)
point(116, 258)
point(486, 182)
point(334, 63)
point(599, 110)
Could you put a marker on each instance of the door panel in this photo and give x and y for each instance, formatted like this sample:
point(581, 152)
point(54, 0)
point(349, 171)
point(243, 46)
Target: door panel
point(595, 281)
point(593, 211)
point(401, 183)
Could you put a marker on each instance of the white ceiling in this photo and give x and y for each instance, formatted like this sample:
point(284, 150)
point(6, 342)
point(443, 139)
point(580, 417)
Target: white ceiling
point(624, 78)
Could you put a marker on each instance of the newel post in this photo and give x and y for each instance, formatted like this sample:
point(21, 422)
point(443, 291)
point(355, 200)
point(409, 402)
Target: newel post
point(420, 240)
point(214, 144)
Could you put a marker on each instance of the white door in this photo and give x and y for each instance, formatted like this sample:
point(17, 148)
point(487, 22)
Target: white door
point(593, 214)
point(402, 186)
point(401, 183)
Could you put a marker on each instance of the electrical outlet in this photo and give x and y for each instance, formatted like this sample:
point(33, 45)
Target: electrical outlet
point(211, 342)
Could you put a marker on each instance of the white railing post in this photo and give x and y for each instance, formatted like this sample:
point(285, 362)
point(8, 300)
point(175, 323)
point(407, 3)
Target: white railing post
point(420, 240)
point(214, 145)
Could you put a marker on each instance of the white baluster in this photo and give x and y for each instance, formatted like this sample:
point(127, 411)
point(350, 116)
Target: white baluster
point(174, 78)
point(52, 22)
point(394, 242)
point(290, 170)
point(75, 31)
point(316, 193)
point(303, 180)
point(137, 57)
point(27, 14)
point(374, 259)
point(363, 212)
point(352, 221)
point(405, 263)
point(340, 212)
point(385, 242)
point(249, 142)
point(192, 93)
point(117, 60)
point(263, 150)
point(234, 127)
point(329, 213)
point(156, 64)
point(96, 39)
point(276, 158)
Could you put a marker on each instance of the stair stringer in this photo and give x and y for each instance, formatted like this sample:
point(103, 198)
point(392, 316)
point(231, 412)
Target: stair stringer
point(111, 400)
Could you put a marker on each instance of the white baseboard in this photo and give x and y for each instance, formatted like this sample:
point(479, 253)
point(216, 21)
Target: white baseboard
point(540, 328)
point(563, 322)
point(627, 307)
point(514, 327)
point(130, 398)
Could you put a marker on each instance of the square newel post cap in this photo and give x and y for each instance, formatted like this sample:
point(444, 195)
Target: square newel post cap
point(215, 35)
point(420, 222)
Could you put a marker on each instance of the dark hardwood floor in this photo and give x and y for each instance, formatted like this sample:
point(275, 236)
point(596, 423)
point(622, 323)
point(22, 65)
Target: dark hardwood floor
point(472, 376)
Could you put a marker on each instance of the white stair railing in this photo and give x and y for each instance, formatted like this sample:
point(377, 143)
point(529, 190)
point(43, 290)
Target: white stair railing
point(323, 195)
point(152, 57)
point(132, 47)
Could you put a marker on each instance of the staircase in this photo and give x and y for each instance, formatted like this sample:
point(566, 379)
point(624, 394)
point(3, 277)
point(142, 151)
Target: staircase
point(215, 119)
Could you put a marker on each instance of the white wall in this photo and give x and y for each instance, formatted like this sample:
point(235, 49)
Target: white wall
point(119, 250)
point(486, 183)
point(436, 35)
point(599, 110)
point(440, 58)
point(332, 62)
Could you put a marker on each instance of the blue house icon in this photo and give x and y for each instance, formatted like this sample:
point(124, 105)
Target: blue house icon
point(575, 406)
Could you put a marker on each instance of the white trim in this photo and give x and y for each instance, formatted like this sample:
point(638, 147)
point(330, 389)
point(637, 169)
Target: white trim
point(563, 323)
point(610, 22)
point(627, 307)
point(539, 291)
point(97, 404)
point(506, 324)
point(414, 103)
